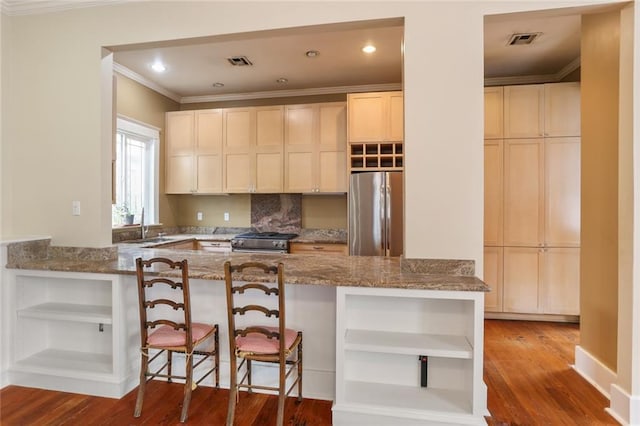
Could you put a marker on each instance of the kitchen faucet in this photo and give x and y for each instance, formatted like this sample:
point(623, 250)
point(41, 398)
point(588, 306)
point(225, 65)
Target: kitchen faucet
point(143, 232)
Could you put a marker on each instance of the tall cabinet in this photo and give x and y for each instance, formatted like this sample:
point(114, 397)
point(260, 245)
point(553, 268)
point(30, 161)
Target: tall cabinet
point(532, 198)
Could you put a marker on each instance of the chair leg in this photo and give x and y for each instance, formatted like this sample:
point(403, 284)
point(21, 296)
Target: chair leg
point(144, 365)
point(282, 393)
point(233, 390)
point(249, 390)
point(187, 389)
point(169, 360)
point(217, 357)
point(300, 369)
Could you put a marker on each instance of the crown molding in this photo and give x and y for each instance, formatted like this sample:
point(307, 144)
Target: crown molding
point(291, 93)
point(534, 79)
point(120, 69)
point(35, 7)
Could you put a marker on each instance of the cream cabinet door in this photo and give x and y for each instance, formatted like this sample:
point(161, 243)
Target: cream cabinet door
point(562, 109)
point(238, 149)
point(560, 281)
point(493, 112)
point(523, 192)
point(562, 192)
point(179, 172)
point(493, 193)
point(269, 149)
point(208, 151)
point(524, 111)
point(331, 162)
point(367, 117)
point(493, 278)
point(395, 132)
point(520, 279)
point(300, 147)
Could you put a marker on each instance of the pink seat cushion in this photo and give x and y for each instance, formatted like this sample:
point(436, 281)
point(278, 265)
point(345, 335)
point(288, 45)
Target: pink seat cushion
point(257, 343)
point(167, 336)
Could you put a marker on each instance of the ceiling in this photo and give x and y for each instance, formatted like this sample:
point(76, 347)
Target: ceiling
point(194, 65)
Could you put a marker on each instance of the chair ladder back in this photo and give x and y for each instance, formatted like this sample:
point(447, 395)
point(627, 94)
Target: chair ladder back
point(180, 297)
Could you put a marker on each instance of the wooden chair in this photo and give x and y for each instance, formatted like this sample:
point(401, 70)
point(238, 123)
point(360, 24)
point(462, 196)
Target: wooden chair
point(165, 326)
point(261, 342)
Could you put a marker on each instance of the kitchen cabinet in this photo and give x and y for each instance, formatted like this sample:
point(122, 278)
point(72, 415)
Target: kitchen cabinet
point(253, 149)
point(532, 203)
point(493, 270)
point(194, 152)
point(318, 248)
point(381, 335)
point(542, 280)
point(542, 110)
point(376, 117)
point(493, 112)
point(315, 148)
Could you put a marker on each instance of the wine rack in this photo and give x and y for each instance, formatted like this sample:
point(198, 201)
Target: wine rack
point(375, 156)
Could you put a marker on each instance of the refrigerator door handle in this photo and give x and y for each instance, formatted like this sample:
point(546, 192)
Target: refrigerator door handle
point(387, 218)
point(382, 220)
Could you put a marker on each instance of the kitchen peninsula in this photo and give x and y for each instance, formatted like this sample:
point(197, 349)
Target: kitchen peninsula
point(367, 321)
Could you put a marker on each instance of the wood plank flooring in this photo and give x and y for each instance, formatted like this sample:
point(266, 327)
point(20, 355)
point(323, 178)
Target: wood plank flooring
point(527, 371)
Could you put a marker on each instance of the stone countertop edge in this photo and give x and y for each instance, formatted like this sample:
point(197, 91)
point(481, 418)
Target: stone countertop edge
point(336, 271)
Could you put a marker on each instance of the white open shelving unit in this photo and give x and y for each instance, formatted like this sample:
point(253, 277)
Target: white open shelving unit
point(68, 332)
point(380, 335)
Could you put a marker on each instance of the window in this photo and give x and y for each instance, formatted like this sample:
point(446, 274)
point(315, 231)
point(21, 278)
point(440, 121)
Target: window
point(136, 178)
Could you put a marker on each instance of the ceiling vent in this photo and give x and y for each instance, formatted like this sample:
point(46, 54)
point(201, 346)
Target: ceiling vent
point(522, 38)
point(239, 61)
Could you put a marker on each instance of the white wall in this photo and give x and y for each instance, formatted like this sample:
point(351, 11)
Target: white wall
point(57, 151)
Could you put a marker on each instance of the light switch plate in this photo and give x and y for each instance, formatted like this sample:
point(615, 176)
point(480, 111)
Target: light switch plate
point(199, 216)
point(226, 216)
point(75, 208)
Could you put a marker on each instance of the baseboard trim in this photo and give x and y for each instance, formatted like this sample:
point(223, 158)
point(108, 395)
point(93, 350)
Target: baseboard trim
point(624, 408)
point(593, 371)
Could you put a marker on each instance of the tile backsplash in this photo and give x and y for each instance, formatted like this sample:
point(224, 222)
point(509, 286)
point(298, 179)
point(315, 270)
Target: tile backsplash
point(276, 212)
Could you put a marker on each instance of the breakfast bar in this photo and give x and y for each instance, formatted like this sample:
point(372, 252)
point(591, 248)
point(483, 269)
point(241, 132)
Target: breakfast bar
point(369, 323)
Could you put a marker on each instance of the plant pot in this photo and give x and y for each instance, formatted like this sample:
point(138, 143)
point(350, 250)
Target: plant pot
point(128, 219)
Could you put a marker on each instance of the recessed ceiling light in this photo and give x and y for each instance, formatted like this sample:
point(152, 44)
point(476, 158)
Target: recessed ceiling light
point(158, 67)
point(282, 81)
point(218, 84)
point(369, 48)
point(312, 53)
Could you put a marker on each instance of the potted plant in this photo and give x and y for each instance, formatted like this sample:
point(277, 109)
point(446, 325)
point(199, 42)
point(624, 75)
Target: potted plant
point(124, 213)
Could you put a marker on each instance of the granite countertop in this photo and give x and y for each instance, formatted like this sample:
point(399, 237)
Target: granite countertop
point(328, 270)
point(322, 236)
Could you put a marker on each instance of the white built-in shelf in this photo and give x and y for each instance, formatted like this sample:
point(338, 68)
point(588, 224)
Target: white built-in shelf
point(410, 399)
point(67, 363)
point(437, 345)
point(69, 312)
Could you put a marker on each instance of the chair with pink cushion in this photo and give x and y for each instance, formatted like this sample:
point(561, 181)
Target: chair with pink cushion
point(265, 340)
point(165, 326)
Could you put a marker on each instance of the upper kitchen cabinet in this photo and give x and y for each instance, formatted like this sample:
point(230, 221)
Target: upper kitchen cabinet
point(315, 148)
point(493, 115)
point(253, 149)
point(562, 109)
point(194, 152)
point(541, 110)
point(376, 117)
point(524, 111)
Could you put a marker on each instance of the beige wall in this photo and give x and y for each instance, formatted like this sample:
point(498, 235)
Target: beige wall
point(599, 209)
point(324, 211)
point(143, 104)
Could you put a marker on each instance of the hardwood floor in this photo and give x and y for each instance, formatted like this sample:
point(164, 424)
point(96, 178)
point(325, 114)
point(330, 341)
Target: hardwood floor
point(527, 371)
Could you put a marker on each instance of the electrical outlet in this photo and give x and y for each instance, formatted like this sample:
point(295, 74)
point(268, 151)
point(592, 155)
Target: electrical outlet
point(75, 208)
point(199, 216)
point(226, 216)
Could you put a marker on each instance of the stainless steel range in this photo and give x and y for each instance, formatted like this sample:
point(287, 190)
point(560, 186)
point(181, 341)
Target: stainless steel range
point(262, 242)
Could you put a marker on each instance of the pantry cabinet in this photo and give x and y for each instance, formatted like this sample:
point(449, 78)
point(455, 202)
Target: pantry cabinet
point(532, 201)
point(493, 112)
point(194, 152)
point(253, 149)
point(315, 148)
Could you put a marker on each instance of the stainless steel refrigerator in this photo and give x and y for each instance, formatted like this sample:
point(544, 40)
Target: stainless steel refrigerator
point(375, 214)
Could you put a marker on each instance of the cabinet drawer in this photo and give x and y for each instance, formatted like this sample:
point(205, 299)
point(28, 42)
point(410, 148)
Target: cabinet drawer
point(329, 248)
point(215, 246)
